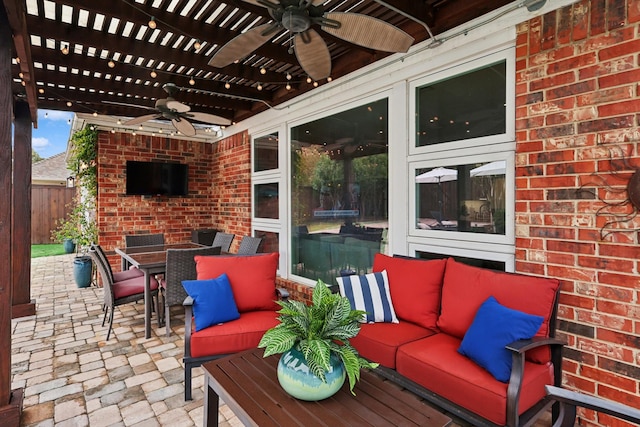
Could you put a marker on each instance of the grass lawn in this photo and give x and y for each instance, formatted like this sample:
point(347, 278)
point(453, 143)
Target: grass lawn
point(38, 251)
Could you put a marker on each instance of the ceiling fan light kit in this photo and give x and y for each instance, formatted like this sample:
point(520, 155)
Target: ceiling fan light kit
point(298, 17)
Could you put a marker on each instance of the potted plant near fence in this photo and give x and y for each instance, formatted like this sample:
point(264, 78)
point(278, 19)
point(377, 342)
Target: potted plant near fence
point(80, 225)
point(314, 340)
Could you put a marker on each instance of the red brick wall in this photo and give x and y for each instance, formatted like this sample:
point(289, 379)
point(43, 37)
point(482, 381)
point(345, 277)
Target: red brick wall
point(217, 174)
point(577, 118)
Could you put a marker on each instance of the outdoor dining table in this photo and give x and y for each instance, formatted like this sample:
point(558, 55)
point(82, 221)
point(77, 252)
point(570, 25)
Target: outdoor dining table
point(150, 260)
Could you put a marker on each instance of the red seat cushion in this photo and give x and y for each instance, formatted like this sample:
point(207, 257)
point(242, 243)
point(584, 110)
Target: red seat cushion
point(465, 288)
point(252, 278)
point(379, 342)
point(415, 287)
point(234, 336)
point(119, 276)
point(132, 286)
point(435, 364)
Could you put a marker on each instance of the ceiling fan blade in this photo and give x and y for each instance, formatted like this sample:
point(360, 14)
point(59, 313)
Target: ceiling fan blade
point(241, 46)
point(178, 106)
point(369, 32)
point(209, 118)
point(184, 126)
point(142, 119)
point(313, 55)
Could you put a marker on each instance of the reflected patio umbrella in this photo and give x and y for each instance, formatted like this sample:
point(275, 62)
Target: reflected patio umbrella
point(438, 176)
point(494, 168)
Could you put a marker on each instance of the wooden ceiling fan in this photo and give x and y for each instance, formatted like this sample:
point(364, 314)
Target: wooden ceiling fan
point(298, 17)
point(178, 113)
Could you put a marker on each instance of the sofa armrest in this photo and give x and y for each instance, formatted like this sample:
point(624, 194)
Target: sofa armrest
point(282, 294)
point(518, 350)
point(188, 316)
point(569, 400)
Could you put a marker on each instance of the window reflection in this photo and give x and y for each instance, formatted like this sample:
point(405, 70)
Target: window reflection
point(466, 106)
point(270, 241)
point(265, 153)
point(266, 201)
point(467, 198)
point(339, 196)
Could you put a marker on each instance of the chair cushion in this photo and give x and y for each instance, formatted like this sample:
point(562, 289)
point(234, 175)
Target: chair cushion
point(252, 278)
point(213, 301)
point(127, 274)
point(379, 342)
point(237, 335)
point(465, 288)
point(415, 287)
point(369, 293)
point(493, 327)
point(435, 363)
point(133, 286)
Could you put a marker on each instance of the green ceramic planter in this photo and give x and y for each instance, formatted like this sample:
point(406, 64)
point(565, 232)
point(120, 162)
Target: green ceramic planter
point(296, 379)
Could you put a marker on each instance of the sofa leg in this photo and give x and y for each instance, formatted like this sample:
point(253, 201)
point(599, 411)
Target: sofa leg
point(187, 381)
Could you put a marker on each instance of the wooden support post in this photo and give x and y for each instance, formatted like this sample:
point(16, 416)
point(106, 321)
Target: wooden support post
point(21, 217)
point(10, 402)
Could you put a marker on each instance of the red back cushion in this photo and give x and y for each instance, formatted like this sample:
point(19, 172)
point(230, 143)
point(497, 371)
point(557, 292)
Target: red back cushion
point(465, 288)
point(252, 278)
point(415, 287)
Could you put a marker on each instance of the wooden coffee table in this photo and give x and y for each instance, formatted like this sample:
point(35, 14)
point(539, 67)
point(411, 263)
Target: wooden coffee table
point(248, 384)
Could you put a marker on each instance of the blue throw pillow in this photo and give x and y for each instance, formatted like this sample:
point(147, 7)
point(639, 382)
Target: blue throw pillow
point(494, 327)
point(213, 301)
point(369, 293)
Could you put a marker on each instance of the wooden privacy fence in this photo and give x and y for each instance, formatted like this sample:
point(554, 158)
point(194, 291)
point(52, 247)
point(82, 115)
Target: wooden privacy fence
point(48, 204)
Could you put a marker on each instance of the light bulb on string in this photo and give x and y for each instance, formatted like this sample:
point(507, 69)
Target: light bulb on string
point(197, 45)
point(152, 23)
point(40, 90)
point(95, 114)
point(259, 86)
point(308, 79)
point(288, 76)
point(153, 74)
point(65, 49)
point(315, 84)
point(263, 71)
point(288, 86)
point(191, 81)
point(227, 85)
point(111, 64)
point(69, 103)
point(329, 79)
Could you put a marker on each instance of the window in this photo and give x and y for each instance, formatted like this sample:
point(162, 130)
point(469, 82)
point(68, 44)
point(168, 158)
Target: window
point(339, 192)
point(266, 200)
point(461, 160)
point(265, 152)
point(464, 106)
point(466, 198)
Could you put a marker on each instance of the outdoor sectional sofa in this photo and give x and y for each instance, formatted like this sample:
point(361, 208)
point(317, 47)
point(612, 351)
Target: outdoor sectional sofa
point(436, 303)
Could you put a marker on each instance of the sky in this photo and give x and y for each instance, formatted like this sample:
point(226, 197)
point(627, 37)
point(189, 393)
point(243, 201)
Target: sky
point(52, 134)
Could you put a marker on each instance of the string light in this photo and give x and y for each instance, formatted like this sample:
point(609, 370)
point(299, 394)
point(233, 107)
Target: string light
point(308, 79)
point(227, 85)
point(259, 86)
point(288, 76)
point(152, 23)
point(69, 103)
point(40, 90)
point(197, 45)
point(111, 64)
point(154, 74)
point(191, 81)
point(119, 121)
point(288, 86)
point(113, 130)
point(65, 49)
point(263, 71)
point(95, 114)
point(329, 79)
point(315, 84)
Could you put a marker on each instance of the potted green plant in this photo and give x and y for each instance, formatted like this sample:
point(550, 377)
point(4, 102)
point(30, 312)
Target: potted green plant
point(314, 340)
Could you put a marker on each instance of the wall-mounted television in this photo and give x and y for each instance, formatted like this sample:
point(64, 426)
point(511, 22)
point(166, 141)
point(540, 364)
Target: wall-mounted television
point(157, 179)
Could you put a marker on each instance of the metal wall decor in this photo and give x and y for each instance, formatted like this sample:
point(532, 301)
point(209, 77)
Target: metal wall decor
point(625, 209)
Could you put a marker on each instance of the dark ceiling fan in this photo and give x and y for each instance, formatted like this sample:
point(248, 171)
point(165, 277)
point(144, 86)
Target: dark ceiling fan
point(180, 114)
point(298, 16)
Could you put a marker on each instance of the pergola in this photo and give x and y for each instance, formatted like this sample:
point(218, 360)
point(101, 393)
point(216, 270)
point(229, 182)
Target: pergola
point(112, 59)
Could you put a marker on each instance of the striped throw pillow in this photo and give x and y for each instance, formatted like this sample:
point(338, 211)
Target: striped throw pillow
point(369, 293)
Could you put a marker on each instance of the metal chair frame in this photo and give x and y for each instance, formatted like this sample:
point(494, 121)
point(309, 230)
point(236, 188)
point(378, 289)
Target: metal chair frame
point(180, 266)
